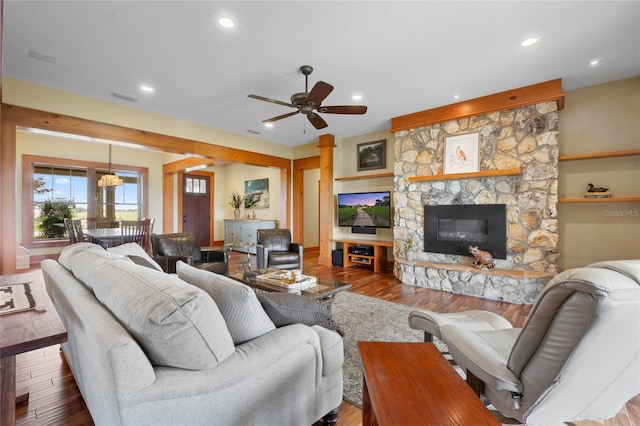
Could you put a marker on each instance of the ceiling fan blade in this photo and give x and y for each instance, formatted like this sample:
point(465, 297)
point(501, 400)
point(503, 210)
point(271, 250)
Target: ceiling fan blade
point(273, 101)
point(343, 109)
point(280, 117)
point(319, 92)
point(317, 121)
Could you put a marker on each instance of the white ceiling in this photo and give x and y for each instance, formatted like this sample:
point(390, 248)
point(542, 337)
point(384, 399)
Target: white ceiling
point(403, 57)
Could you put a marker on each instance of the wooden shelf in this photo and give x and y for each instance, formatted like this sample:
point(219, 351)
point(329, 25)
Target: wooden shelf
point(379, 175)
point(599, 200)
point(482, 174)
point(597, 155)
point(377, 261)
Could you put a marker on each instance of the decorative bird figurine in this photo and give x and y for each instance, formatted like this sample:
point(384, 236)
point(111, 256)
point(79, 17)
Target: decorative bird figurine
point(591, 188)
point(461, 154)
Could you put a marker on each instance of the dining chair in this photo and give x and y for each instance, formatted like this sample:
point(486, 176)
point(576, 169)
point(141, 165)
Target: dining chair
point(74, 229)
point(98, 222)
point(136, 231)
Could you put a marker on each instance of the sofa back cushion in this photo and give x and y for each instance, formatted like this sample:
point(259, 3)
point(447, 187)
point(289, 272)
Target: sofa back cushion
point(176, 324)
point(245, 317)
point(275, 239)
point(178, 244)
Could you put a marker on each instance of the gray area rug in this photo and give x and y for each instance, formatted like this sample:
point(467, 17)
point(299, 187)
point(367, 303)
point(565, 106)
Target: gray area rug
point(364, 318)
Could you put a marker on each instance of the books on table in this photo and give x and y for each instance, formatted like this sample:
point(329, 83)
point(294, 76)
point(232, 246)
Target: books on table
point(278, 278)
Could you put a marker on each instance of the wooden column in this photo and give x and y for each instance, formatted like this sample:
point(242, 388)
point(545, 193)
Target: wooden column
point(326, 143)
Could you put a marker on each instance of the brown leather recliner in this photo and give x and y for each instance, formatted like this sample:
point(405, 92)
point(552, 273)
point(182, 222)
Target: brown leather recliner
point(275, 250)
point(169, 248)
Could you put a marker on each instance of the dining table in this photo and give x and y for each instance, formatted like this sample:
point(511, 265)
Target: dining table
point(106, 237)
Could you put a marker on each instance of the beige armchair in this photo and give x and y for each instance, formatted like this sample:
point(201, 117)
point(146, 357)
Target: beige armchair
point(577, 357)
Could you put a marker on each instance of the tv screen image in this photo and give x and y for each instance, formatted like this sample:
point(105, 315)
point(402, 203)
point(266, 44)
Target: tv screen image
point(365, 209)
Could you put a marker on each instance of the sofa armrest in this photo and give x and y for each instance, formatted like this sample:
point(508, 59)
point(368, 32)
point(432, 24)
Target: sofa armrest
point(298, 248)
point(262, 256)
point(168, 263)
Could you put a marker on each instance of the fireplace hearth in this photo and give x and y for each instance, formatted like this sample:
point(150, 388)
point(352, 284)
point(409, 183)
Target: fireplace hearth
point(451, 229)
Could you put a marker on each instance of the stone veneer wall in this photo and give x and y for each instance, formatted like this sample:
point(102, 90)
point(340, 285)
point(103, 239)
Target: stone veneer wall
point(524, 138)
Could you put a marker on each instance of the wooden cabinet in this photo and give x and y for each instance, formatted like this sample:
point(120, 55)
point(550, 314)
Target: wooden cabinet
point(245, 230)
point(378, 261)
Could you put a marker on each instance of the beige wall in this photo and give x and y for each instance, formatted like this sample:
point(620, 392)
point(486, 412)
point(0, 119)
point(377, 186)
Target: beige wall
point(600, 118)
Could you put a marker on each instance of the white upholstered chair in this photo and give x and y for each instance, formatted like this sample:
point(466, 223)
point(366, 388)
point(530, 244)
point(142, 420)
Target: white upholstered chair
point(577, 357)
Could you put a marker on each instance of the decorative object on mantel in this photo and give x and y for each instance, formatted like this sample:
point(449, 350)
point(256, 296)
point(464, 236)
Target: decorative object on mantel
point(596, 192)
point(236, 202)
point(410, 247)
point(461, 154)
point(481, 258)
point(16, 298)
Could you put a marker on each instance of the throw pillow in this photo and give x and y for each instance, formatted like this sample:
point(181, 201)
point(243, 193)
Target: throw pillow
point(238, 304)
point(176, 324)
point(137, 254)
point(69, 251)
point(286, 308)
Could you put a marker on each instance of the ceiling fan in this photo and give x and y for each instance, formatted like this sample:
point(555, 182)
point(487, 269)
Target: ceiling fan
point(309, 103)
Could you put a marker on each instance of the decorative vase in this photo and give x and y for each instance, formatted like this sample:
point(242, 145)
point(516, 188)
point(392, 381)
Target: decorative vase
point(236, 213)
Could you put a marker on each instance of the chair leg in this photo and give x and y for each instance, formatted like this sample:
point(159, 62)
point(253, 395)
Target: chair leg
point(475, 383)
point(331, 417)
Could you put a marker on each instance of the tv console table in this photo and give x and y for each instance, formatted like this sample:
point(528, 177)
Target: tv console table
point(378, 260)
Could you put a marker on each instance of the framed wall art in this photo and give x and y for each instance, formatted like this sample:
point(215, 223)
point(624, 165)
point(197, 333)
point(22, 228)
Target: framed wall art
point(372, 155)
point(256, 194)
point(461, 154)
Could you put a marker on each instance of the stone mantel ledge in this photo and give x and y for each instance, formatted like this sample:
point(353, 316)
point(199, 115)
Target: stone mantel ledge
point(512, 286)
point(470, 268)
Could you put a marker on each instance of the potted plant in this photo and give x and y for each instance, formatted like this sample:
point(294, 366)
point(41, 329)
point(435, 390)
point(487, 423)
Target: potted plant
point(236, 202)
point(410, 247)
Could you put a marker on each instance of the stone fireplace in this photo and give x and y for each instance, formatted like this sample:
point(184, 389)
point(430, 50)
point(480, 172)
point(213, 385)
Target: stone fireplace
point(451, 229)
point(523, 139)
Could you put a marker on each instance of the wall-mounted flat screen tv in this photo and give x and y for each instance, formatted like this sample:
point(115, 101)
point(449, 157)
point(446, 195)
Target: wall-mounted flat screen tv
point(365, 209)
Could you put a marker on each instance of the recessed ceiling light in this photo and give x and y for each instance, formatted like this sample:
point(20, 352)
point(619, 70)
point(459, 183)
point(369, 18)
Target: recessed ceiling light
point(529, 41)
point(268, 124)
point(356, 97)
point(226, 22)
point(146, 88)
point(456, 96)
point(594, 62)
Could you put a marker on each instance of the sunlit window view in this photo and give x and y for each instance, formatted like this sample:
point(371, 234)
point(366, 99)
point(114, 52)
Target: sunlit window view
point(60, 192)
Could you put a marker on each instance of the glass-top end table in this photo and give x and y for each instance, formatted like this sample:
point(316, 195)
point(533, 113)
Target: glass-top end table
point(241, 247)
point(323, 292)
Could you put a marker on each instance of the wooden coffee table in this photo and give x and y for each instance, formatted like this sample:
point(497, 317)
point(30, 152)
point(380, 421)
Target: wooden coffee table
point(23, 332)
point(323, 292)
point(413, 384)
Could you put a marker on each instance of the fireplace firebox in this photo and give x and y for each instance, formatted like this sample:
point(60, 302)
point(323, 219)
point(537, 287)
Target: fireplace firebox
point(452, 229)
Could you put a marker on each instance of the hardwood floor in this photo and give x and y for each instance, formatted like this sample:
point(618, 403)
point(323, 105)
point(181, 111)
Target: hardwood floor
point(56, 400)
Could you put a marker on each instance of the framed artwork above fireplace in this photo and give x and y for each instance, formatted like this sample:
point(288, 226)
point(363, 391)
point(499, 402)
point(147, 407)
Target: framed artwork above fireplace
point(461, 154)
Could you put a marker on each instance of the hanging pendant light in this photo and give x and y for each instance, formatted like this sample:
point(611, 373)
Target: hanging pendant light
point(109, 179)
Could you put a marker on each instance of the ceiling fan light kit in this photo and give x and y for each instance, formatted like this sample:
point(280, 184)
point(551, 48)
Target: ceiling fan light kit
point(309, 102)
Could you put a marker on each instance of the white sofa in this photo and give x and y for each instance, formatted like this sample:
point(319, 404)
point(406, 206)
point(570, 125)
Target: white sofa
point(146, 347)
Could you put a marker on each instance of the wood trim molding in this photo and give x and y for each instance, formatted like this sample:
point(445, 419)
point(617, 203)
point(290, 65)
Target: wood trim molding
point(13, 117)
point(299, 166)
point(528, 95)
point(326, 143)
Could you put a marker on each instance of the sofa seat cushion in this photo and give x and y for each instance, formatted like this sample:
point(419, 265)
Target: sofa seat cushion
point(281, 258)
point(245, 317)
point(176, 324)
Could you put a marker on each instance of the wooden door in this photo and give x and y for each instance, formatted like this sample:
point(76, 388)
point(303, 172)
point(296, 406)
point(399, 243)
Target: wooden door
point(196, 207)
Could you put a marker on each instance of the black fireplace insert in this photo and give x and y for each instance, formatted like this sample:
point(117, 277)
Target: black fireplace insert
point(452, 229)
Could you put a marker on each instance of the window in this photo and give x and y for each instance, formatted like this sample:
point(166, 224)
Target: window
point(61, 188)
